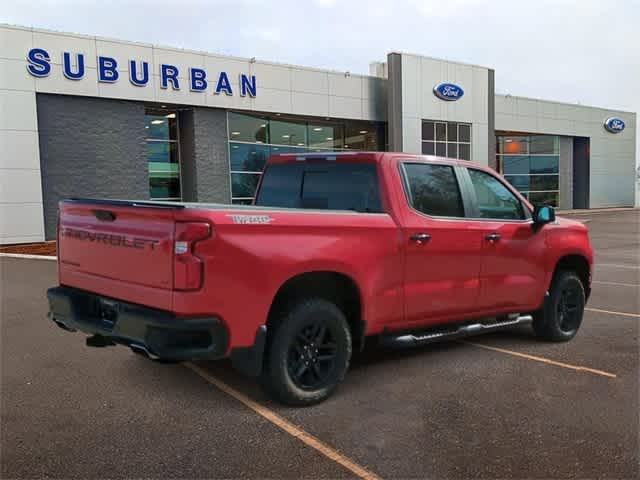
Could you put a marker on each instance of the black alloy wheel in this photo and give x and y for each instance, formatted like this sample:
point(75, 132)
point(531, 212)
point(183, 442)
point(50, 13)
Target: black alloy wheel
point(312, 356)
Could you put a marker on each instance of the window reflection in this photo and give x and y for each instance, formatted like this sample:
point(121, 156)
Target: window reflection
point(163, 154)
point(531, 163)
point(255, 137)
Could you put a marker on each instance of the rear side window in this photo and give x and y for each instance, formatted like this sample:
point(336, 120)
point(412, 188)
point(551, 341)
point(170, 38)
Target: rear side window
point(494, 200)
point(433, 189)
point(323, 185)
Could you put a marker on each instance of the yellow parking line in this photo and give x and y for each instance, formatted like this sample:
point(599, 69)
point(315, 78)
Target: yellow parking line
point(287, 426)
point(617, 283)
point(542, 360)
point(616, 265)
point(624, 314)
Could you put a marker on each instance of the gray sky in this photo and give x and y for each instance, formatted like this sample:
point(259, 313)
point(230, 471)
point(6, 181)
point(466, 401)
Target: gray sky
point(585, 51)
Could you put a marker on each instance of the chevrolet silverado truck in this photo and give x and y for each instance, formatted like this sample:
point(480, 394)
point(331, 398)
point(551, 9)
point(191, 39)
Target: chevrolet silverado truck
point(338, 248)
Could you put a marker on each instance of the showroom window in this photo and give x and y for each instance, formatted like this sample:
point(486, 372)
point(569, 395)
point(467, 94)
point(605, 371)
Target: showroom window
point(446, 139)
point(163, 154)
point(531, 164)
point(254, 138)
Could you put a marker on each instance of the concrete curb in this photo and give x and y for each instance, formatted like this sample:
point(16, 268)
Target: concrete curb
point(28, 257)
point(596, 210)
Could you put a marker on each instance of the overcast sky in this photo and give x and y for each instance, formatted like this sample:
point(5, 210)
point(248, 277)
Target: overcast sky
point(583, 51)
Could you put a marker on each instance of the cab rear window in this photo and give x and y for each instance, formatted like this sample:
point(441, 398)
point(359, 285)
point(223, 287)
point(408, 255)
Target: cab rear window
point(323, 185)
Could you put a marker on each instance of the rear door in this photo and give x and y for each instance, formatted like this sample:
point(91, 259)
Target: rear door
point(512, 272)
point(118, 249)
point(443, 250)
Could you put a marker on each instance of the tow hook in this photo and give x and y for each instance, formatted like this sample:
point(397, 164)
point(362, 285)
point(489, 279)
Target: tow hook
point(99, 341)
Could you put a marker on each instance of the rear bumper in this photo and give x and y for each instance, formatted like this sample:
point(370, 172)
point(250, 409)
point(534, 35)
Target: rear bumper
point(160, 333)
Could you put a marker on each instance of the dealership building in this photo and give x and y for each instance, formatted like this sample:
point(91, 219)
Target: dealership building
point(90, 117)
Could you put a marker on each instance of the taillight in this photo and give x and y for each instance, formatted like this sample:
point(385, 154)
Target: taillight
point(187, 266)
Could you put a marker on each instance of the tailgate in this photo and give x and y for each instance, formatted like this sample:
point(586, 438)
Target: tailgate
point(118, 248)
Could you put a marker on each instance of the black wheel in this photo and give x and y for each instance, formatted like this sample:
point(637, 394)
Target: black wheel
point(561, 316)
point(308, 354)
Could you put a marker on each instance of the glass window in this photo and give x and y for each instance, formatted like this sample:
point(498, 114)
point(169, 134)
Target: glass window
point(163, 154)
point(247, 128)
point(494, 200)
point(544, 198)
point(441, 149)
point(161, 125)
point(326, 136)
point(288, 133)
point(433, 189)
point(464, 151)
point(254, 137)
point(441, 132)
point(242, 201)
point(249, 157)
point(513, 145)
point(244, 184)
point(544, 164)
point(544, 182)
point(521, 182)
point(332, 186)
point(513, 165)
point(464, 133)
point(452, 132)
point(428, 131)
point(452, 150)
point(541, 144)
point(361, 136)
point(428, 148)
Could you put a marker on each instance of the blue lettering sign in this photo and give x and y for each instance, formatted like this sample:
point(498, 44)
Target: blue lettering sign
point(169, 73)
point(39, 65)
point(67, 67)
point(614, 124)
point(198, 82)
point(74, 68)
point(133, 73)
point(223, 84)
point(448, 91)
point(247, 85)
point(107, 70)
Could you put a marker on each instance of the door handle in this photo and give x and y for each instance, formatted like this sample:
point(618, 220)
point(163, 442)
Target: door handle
point(493, 237)
point(420, 237)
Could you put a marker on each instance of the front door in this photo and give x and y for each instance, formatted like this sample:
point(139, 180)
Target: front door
point(443, 250)
point(512, 272)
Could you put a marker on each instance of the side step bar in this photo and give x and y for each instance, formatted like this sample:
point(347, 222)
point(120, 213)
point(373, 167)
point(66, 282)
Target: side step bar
point(415, 339)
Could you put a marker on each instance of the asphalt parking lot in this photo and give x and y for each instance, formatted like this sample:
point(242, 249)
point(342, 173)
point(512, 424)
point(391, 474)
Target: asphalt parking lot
point(498, 406)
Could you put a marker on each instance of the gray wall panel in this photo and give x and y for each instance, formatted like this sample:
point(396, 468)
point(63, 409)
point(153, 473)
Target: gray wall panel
point(211, 155)
point(565, 201)
point(491, 111)
point(90, 147)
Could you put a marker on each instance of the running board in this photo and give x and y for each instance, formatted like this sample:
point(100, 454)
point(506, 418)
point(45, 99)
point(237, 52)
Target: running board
point(449, 333)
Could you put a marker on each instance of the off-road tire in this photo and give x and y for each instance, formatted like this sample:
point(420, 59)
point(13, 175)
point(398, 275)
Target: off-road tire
point(561, 315)
point(285, 353)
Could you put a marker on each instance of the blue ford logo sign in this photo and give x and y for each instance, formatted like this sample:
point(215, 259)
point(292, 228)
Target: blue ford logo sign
point(448, 91)
point(614, 125)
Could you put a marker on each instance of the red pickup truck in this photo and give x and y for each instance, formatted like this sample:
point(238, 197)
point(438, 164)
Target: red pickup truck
point(337, 248)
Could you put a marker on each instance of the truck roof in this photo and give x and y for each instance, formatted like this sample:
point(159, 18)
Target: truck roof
point(366, 157)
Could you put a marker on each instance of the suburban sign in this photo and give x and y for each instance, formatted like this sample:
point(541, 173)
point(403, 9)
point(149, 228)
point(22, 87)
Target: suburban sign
point(108, 71)
point(448, 91)
point(614, 125)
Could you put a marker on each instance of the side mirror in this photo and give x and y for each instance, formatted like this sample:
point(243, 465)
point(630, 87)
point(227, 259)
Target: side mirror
point(543, 214)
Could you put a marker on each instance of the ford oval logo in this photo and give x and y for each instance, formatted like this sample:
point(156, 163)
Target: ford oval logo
point(448, 91)
point(614, 125)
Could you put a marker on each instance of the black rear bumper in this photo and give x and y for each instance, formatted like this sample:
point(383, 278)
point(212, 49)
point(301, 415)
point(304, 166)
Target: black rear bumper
point(158, 333)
